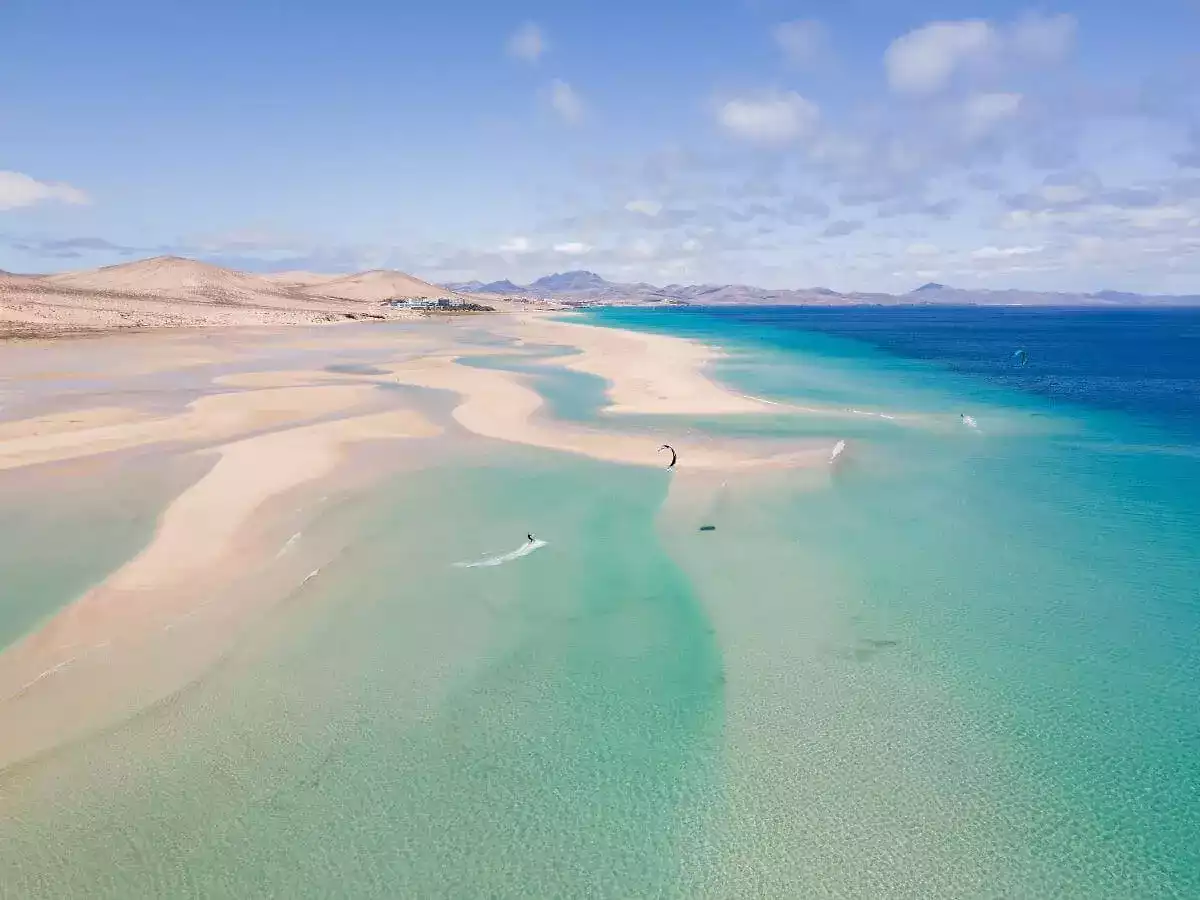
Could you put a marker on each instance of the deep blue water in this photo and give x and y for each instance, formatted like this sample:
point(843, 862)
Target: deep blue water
point(1144, 363)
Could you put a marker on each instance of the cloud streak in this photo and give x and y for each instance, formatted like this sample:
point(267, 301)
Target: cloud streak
point(71, 248)
point(18, 190)
point(527, 43)
point(566, 102)
point(804, 42)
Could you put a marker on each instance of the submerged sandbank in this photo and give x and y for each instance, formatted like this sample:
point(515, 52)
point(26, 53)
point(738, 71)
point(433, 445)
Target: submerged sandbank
point(499, 405)
point(274, 432)
point(199, 550)
point(76, 433)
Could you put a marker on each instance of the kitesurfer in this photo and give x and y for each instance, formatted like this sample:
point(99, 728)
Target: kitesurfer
point(530, 536)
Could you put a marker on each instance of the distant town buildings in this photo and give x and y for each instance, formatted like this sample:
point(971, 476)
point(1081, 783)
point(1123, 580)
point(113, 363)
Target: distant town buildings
point(434, 303)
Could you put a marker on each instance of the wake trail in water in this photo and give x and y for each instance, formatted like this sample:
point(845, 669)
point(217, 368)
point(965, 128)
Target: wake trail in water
point(291, 542)
point(524, 550)
point(866, 412)
point(762, 400)
point(49, 672)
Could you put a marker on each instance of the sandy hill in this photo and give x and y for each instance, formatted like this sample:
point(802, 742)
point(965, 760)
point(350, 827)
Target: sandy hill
point(14, 278)
point(168, 291)
point(170, 276)
point(376, 286)
point(302, 279)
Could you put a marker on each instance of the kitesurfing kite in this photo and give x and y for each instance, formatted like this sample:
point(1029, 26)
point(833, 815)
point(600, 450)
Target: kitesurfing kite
point(1021, 357)
point(674, 457)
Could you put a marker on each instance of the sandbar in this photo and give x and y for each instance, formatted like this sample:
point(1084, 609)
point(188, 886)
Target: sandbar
point(197, 549)
point(648, 374)
point(499, 405)
point(217, 417)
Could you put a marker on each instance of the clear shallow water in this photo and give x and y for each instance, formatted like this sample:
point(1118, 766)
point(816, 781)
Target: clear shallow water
point(408, 728)
point(569, 396)
point(1044, 571)
point(65, 528)
point(964, 664)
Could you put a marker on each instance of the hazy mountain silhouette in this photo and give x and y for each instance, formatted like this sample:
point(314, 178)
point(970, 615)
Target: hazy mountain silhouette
point(582, 287)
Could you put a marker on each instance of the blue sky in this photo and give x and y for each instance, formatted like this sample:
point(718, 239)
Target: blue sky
point(859, 144)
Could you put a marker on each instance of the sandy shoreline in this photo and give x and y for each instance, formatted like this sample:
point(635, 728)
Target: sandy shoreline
point(276, 430)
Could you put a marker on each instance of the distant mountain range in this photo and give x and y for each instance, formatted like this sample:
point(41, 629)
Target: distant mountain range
point(581, 287)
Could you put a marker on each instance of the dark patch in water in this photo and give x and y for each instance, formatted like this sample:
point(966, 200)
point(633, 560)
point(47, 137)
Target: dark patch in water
point(870, 648)
point(708, 527)
point(355, 369)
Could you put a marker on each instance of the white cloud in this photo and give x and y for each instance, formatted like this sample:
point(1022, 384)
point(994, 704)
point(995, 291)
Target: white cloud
point(803, 42)
point(989, 253)
point(517, 244)
point(645, 207)
point(566, 102)
point(923, 61)
point(983, 112)
point(1064, 194)
point(840, 150)
point(18, 189)
point(527, 43)
point(923, 250)
point(1045, 39)
point(1165, 216)
point(572, 248)
point(770, 118)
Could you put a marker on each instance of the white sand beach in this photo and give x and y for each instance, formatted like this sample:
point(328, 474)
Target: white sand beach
point(649, 374)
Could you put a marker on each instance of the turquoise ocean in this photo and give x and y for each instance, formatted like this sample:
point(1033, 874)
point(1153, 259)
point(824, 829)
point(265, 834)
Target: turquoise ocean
point(964, 662)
